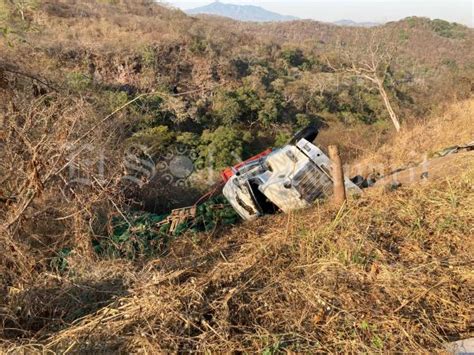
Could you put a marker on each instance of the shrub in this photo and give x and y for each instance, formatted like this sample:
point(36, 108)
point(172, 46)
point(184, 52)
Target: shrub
point(282, 138)
point(221, 148)
point(150, 112)
point(241, 67)
point(149, 56)
point(114, 99)
point(303, 120)
point(188, 139)
point(198, 45)
point(241, 105)
point(447, 29)
point(403, 35)
point(78, 81)
point(269, 112)
point(227, 108)
point(156, 139)
point(450, 63)
point(294, 57)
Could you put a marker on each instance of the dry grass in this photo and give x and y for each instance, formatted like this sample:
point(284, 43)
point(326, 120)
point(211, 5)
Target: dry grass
point(390, 272)
point(319, 280)
point(355, 141)
point(448, 126)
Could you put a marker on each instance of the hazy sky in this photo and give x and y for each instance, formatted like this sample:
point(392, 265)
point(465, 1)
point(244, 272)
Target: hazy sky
point(358, 10)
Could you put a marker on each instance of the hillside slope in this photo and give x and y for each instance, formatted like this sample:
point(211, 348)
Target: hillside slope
point(260, 81)
point(349, 280)
point(99, 100)
point(447, 127)
point(319, 280)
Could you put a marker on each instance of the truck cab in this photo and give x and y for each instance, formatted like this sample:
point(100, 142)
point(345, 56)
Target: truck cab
point(286, 179)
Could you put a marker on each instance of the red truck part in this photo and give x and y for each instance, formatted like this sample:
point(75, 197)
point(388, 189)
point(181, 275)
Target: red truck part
point(229, 172)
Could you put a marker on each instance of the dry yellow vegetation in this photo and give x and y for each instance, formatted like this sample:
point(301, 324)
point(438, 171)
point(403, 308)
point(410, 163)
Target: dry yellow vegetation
point(319, 280)
point(450, 125)
point(390, 271)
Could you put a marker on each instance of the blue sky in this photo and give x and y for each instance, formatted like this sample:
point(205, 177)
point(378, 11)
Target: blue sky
point(358, 10)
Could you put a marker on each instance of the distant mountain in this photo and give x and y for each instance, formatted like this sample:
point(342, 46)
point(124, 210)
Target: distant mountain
point(350, 23)
point(240, 12)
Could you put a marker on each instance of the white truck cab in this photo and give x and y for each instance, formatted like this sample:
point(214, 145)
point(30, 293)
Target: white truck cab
point(287, 179)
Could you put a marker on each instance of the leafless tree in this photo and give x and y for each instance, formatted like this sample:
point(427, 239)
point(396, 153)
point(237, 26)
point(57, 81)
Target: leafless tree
point(45, 148)
point(371, 64)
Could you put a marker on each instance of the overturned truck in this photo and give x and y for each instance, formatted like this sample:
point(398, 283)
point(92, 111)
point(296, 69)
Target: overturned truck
point(285, 179)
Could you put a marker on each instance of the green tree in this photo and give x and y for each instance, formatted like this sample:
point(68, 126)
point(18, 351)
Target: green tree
point(294, 57)
point(282, 138)
point(269, 112)
point(156, 139)
point(237, 106)
point(447, 29)
point(227, 108)
point(303, 120)
point(222, 147)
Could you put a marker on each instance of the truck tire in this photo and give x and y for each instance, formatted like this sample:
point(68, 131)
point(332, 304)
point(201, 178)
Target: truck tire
point(309, 133)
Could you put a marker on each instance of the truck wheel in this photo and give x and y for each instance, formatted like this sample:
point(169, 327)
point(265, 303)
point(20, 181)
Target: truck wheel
point(309, 133)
